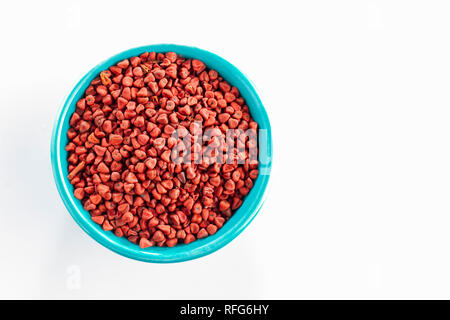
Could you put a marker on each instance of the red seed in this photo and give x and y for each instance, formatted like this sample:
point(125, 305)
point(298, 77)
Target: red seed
point(84, 126)
point(202, 233)
point(223, 117)
point(93, 139)
point(197, 208)
point(171, 242)
point(159, 143)
point(162, 119)
point(181, 234)
point(98, 219)
point(99, 150)
point(102, 168)
point(127, 217)
point(189, 238)
point(107, 226)
point(150, 163)
point(233, 123)
point(198, 66)
point(160, 188)
point(79, 193)
point(168, 184)
point(158, 236)
point(174, 194)
point(171, 71)
point(194, 227)
point(124, 207)
point(143, 139)
point(102, 91)
point(118, 232)
point(229, 97)
point(102, 189)
point(224, 205)
point(127, 81)
point(146, 214)
point(164, 228)
point(145, 243)
point(229, 185)
point(153, 222)
point(124, 64)
point(182, 216)
point(253, 174)
point(115, 139)
point(139, 122)
point(131, 178)
point(90, 100)
point(95, 199)
point(219, 221)
point(159, 74)
point(211, 229)
point(166, 156)
point(189, 203)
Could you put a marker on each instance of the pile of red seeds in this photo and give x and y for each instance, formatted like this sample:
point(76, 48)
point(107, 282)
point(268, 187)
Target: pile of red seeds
point(121, 140)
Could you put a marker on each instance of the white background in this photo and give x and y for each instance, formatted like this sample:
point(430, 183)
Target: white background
point(358, 96)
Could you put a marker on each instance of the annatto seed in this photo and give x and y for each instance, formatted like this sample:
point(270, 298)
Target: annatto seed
point(211, 228)
point(202, 233)
point(145, 243)
point(158, 236)
point(98, 219)
point(124, 137)
point(189, 238)
point(115, 139)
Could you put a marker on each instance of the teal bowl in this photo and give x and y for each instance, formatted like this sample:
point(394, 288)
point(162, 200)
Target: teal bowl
point(182, 252)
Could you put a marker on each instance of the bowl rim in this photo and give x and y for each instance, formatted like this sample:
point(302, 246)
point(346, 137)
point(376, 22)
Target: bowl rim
point(179, 253)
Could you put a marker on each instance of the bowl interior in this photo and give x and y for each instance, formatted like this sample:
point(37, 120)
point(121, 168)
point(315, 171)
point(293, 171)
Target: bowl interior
point(240, 219)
